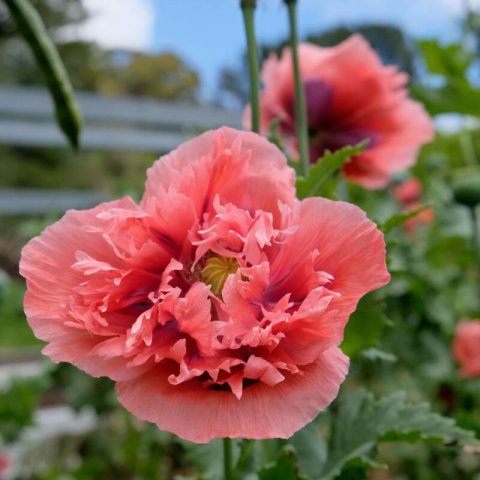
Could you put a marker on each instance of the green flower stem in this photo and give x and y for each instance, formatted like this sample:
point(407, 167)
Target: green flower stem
point(468, 149)
point(300, 104)
point(248, 11)
point(246, 449)
point(227, 459)
point(475, 245)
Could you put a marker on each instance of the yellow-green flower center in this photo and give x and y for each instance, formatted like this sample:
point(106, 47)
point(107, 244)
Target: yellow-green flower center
point(216, 271)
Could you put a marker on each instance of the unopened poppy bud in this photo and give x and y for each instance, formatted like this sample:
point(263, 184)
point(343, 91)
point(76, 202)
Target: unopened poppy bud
point(466, 188)
point(248, 3)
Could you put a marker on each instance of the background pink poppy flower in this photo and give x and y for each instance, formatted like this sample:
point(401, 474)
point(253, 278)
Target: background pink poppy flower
point(4, 463)
point(408, 191)
point(466, 348)
point(351, 96)
point(218, 304)
point(409, 194)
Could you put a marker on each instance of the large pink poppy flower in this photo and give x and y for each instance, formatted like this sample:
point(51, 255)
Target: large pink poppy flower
point(466, 348)
point(219, 302)
point(351, 96)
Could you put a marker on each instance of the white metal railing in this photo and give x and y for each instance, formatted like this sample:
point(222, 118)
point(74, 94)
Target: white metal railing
point(110, 124)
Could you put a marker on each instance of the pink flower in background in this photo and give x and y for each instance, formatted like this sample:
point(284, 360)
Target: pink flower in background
point(466, 348)
point(409, 194)
point(351, 96)
point(219, 302)
point(4, 464)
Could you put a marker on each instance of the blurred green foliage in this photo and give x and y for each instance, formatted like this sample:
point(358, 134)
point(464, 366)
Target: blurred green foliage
point(14, 330)
point(163, 75)
point(17, 406)
point(120, 448)
point(449, 64)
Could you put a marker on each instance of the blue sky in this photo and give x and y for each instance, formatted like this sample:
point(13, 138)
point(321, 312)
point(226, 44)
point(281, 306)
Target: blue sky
point(208, 34)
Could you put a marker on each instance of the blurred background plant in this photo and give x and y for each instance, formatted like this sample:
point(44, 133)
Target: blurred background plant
point(399, 337)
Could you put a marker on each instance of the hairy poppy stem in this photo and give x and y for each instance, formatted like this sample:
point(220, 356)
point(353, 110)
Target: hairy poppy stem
point(475, 246)
point(227, 459)
point(468, 148)
point(248, 11)
point(300, 104)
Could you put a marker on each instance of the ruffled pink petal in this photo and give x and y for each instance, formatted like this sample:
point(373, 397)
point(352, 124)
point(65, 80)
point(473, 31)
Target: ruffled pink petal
point(59, 264)
point(78, 349)
point(401, 133)
point(55, 252)
point(350, 248)
point(194, 318)
point(264, 411)
point(239, 167)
